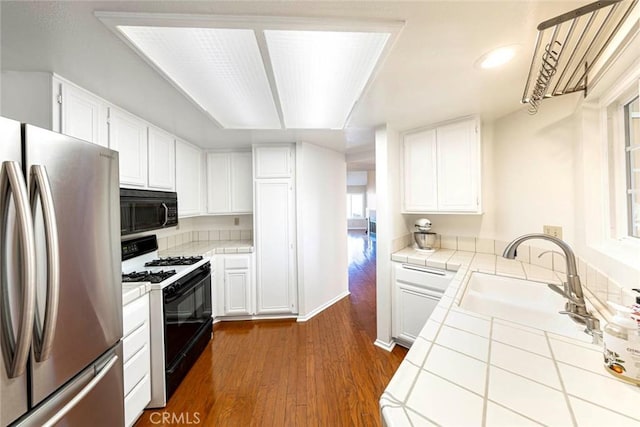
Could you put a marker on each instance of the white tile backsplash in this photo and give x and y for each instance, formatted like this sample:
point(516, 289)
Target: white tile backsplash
point(467, 244)
point(449, 242)
point(485, 246)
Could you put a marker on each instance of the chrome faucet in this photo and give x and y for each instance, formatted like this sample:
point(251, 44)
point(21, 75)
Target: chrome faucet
point(575, 306)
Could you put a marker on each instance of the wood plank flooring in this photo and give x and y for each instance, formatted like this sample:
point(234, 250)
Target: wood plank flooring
point(325, 372)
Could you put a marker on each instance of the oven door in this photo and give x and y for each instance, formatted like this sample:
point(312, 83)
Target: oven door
point(187, 308)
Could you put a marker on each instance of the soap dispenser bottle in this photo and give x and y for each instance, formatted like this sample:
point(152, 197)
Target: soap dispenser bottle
point(622, 345)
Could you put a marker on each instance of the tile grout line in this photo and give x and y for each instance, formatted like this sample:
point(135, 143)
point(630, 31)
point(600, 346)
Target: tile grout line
point(604, 407)
point(424, 417)
point(564, 389)
point(526, 378)
point(503, 406)
point(487, 374)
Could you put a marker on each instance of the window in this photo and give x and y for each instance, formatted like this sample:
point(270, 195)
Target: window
point(355, 205)
point(632, 154)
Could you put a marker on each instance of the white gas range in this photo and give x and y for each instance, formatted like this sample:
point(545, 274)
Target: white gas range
point(180, 311)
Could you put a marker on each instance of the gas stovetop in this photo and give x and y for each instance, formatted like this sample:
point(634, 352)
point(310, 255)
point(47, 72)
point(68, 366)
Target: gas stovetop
point(148, 276)
point(171, 261)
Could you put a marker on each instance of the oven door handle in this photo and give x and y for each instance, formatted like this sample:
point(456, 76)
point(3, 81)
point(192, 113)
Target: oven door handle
point(166, 214)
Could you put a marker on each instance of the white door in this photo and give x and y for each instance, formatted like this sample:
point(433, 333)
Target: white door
point(128, 136)
point(420, 172)
point(218, 183)
point(237, 293)
point(162, 162)
point(274, 219)
point(241, 183)
point(188, 178)
point(84, 115)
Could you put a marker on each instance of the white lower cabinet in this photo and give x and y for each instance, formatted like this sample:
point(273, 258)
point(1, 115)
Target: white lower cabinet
point(414, 307)
point(237, 285)
point(416, 293)
point(137, 358)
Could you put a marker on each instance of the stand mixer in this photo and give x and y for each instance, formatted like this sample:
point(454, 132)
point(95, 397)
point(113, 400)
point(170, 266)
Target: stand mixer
point(424, 238)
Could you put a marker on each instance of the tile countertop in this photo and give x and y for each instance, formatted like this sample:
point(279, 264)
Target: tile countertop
point(468, 369)
point(209, 248)
point(132, 291)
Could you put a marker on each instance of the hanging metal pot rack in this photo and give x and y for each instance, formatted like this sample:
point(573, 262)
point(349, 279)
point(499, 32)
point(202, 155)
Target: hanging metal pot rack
point(568, 46)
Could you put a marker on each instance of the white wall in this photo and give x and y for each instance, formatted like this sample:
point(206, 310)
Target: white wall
point(391, 228)
point(321, 227)
point(371, 190)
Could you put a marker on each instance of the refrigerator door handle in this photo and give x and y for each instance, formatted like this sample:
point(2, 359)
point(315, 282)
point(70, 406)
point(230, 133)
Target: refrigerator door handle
point(46, 330)
point(15, 348)
point(82, 394)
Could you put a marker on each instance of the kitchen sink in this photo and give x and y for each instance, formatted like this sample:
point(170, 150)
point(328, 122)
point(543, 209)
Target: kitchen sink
point(520, 301)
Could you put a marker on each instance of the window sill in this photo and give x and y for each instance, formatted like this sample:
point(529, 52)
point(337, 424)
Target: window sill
point(625, 251)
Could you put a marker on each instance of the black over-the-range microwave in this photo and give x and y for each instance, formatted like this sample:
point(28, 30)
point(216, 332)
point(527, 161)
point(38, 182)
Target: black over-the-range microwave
point(144, 210)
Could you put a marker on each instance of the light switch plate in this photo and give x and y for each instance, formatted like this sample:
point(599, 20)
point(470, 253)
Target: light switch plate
point(552, 230)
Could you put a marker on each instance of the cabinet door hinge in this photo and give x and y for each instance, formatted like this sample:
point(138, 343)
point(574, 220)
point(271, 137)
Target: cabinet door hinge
point(59, 99)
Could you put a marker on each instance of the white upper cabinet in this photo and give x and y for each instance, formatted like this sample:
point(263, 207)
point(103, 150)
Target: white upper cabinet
point(128, 136)
point(458, 167)
point(420, 189)
point(229, 183)
point(441, 169)
point(188, 179)
point(241, 182)
point(273, 161)
point(51, 102)
point(83, 115)
point(161, 160)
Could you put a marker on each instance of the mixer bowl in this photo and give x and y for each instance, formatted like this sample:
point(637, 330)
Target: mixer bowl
point(424, 239)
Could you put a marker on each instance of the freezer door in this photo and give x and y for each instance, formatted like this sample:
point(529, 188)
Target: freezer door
point(84, 184)
point(13, 391)
point(93, 398)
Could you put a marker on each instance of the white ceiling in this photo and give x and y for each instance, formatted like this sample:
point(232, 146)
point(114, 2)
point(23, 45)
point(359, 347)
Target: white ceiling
point(429, 76)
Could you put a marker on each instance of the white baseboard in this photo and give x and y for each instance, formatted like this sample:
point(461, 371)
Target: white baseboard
point(255, 317)
point(388, 346)
point(323, 307)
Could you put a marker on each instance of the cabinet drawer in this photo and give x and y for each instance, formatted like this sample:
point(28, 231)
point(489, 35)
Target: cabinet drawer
point(135, 314)
point(424, 277)
point(236, 263)
point(136, 401)
point(135, 341)
point(136, 368)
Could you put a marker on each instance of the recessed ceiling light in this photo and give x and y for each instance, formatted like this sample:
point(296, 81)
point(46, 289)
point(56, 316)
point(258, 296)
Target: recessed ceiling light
point(497, 57)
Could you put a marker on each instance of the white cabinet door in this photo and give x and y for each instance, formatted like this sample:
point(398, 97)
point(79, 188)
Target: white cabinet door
point(274, 232)
point(273, 161)
point(162, 162)
point(237, 292)
point(241, 183)
point(413, 309)
point(229, 183)
point(458, 164)
point(441, 169)
point(128, 136)
point(218, 183)
point(83, 115)
point(188, 178)
point(420, 172)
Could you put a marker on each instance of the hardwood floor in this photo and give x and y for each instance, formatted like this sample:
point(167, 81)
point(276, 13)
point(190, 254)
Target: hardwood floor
point(325, 372)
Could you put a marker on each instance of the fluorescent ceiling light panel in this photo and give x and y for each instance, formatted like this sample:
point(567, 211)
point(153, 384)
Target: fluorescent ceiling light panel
point(220, 69)
point(320, 75)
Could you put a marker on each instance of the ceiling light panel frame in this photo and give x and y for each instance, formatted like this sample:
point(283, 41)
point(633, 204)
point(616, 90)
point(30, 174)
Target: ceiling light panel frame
point(259, 24)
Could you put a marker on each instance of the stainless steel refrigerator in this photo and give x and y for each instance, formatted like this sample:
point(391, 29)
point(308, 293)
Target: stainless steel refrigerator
point(60, 291)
